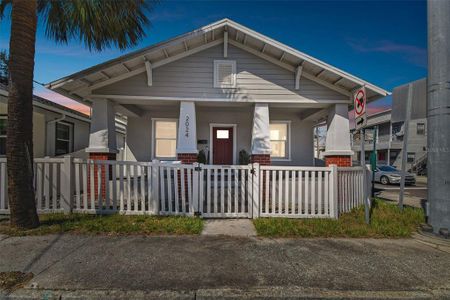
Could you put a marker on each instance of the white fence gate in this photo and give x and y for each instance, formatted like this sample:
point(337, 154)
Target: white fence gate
point(226, 191)
point(212, 191)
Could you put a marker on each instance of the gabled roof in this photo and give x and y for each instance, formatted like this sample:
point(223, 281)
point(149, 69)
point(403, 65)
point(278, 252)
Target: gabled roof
point(51, 106)
point(79, 85)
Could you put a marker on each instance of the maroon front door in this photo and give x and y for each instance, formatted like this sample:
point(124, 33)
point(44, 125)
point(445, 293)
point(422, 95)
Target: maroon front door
point(222, 145)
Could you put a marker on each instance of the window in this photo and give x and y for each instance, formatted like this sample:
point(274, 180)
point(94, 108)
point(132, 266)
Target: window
point(224, 73)
point(165, 139)
point(64, 138)
point(279, 139)
point(420, 128)
point(3, 125)
point(410, 157)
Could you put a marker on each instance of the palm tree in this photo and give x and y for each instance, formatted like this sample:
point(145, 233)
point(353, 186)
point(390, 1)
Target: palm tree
point(98, 25)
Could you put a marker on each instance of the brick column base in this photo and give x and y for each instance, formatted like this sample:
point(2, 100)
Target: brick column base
point(187, 158)
point(104, 180)
point(262, 159)
point(339, 160)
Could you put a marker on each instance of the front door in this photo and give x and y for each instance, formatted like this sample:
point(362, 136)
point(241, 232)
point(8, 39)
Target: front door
point(222, 145)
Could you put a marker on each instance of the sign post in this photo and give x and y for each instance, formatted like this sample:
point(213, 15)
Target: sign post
point(359, 103)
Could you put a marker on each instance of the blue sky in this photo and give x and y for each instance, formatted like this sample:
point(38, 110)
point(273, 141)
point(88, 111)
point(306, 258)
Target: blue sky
point(383, 42)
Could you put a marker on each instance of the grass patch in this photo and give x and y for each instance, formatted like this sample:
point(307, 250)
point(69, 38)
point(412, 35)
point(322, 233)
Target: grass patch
point(12, 280)
point(387, 222)
point(109, 224)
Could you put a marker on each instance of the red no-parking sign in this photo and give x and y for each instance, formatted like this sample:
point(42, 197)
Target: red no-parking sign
point(359, 102)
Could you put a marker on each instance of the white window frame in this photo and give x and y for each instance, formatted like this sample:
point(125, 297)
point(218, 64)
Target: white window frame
point(154, 120)
point(71, 136)
point(3, 117)
point(288, 140)
point(217, 84)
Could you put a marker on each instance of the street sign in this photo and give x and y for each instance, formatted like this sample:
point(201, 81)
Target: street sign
point(359, 102)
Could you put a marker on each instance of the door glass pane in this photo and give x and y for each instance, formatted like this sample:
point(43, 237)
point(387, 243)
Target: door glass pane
point(62, 147)
point(222, 134)
point(166, 148)
point(278, 131)
point(166, 129)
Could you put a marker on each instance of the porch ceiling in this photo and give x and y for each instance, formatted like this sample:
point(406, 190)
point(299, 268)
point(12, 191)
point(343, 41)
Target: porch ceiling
point(79, 86)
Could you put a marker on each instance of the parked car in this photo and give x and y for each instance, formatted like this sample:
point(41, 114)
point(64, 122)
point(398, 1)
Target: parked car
point(390, 175)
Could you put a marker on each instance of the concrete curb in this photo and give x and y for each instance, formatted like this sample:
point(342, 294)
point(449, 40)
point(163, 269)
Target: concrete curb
point(269, 292)
point(432, 241)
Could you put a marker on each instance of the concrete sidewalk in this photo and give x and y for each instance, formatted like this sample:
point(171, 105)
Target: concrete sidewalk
point(209, 267)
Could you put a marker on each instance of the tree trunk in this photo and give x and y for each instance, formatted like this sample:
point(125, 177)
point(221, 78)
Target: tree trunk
point(19, 141)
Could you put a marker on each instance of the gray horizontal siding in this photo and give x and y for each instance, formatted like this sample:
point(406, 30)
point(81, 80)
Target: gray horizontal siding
point(192, 77)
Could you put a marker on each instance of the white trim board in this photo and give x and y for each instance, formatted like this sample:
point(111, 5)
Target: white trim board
point(222, 125)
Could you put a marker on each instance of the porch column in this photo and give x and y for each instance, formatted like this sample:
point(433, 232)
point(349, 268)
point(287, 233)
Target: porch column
point(102, 139)
point(337, 148)
point(187, 134)
point(261, 135)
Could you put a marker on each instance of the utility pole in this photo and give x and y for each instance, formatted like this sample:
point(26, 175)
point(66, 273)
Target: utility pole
point(438, 115)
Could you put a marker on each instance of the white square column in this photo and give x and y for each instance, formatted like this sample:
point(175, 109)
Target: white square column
point(261, 134)
point(102, 137)
point(337, 147)
point(187, 133)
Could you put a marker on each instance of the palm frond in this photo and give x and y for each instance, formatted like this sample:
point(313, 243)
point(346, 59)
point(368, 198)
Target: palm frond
point(98, 24)
point(3, 5)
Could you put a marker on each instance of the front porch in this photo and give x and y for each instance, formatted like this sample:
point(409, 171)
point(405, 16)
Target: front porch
point(270, 134)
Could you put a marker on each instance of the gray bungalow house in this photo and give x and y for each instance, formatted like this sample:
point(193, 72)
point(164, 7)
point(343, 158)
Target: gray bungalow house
point(221, 88)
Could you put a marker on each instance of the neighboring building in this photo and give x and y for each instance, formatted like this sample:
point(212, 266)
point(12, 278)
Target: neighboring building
point(391, 130)
point(222, 88)
point(57, 129)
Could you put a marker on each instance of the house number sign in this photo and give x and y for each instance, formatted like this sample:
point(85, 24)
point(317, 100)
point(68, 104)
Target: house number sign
point(186, 124)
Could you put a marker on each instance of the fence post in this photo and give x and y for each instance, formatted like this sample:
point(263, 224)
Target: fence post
point(67, 184)
point(195, 190)
point(255, 190)
point(368, 192)
point(334, 210)
point(155, 185)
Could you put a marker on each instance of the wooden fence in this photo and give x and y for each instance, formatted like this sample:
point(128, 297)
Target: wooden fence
point(212, 191)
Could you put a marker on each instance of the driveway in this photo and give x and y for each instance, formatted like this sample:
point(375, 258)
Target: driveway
point(210, 265)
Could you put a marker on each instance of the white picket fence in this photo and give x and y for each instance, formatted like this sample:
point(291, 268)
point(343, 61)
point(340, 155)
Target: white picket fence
point(212, 191)
point(351, 187)
point(298, 192)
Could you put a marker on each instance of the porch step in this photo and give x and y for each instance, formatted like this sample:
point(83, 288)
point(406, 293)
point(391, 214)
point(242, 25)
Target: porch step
point(230, 227)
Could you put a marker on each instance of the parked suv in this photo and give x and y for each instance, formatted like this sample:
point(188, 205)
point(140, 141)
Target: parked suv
point(390, 175)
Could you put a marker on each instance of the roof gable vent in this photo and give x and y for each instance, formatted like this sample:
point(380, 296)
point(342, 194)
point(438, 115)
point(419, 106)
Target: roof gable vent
point(224, 73)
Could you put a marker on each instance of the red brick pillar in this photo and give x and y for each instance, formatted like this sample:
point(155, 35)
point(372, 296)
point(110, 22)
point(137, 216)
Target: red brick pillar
point(100, 156)
point(262, 159)
point(186, 159)
point(339, 160)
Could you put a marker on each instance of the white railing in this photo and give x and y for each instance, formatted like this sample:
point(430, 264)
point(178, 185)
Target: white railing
point(157, 188)
point(350, 188)
point(298, 192)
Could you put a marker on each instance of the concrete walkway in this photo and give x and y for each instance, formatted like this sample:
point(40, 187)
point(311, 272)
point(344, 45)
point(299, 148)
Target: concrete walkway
point(229, 227)
point(209, 267)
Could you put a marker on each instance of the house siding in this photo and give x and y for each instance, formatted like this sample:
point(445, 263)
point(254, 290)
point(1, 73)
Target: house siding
point(192, 77)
